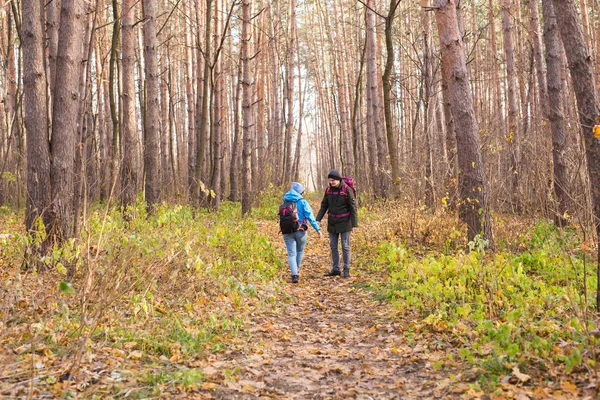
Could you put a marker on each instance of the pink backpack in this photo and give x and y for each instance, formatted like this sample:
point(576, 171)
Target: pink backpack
point(349, 182)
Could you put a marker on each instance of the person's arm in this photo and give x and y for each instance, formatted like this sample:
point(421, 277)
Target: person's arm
point(352, 206)
point(309, 216)
point(324, 207)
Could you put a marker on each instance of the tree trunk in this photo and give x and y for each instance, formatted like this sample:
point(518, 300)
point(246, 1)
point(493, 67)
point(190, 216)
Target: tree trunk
point(387, 93)
point(539, 61)
point(371, 87)
point(473, 208)
point(556, 113)
point(36, 123)
point(65, 119)
point(289, 123)
point(234, 192)
point(130, 168)
point(112, 86)
point(218, 120)
point(191, 105)
point(151, 137)
point(513, 134)
point(52, 24)
point(203, 117)
point(247, 108)
point(582, 77)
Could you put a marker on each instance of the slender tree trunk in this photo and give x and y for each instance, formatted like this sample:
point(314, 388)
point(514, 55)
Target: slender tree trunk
point(539, 61)
point(372, 108)
point(556, 112)
point(151, 137)
point(234, 193)
point(112, 86)
point(130, 166)
point(164, 121)
point(36, 123)
point(582, 77)
point(52, 24)
point(218, 123)
point(191, 105)
point(247, 108)
point(387, 93)
point(84, 127)
point(513, 134)
point(473, 208)
point(202, 125)
point(65, 119)
point(291, 62)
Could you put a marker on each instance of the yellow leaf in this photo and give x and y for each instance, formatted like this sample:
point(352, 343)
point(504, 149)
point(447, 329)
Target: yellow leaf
point(597, 131)
point(209, 386)
point(135, 355)
point(445, 200)
point(569, 387)
point(394, 350)
point(520, 376)
point(473, 164)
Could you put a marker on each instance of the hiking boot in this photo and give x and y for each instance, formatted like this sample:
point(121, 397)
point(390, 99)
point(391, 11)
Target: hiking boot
point(346, 274)
point(333, 272)
point(294, 278)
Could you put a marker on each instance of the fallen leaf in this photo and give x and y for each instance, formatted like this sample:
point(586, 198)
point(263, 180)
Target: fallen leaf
point(209, 386)
point(520, 376)
point(135, 355)
point(569, 387)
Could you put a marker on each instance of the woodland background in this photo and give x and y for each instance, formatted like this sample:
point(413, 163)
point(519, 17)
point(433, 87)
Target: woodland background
point(144, 146)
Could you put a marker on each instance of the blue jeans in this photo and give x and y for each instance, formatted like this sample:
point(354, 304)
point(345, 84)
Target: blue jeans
point(335, 253)
point(295, 242)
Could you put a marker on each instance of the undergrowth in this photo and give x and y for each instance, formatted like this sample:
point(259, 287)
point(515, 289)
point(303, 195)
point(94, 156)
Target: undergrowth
point(164, 288)
point(530, 309)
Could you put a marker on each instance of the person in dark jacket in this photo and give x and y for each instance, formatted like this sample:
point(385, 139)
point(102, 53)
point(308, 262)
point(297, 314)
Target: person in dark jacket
point(339, 204)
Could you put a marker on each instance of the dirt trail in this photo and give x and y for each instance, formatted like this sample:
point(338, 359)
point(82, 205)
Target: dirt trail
point(330, 339)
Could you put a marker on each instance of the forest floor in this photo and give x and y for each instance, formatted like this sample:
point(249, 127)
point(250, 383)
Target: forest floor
point(333, 340)
point(237, 328)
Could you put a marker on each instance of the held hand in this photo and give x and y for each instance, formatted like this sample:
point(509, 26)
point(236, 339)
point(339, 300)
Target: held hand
point(320, 234)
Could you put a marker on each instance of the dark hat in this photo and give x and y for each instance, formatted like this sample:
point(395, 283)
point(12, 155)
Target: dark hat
point(335, 174)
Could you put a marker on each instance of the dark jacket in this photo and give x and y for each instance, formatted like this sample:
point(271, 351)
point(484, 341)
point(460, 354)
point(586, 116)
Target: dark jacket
point(335, 203)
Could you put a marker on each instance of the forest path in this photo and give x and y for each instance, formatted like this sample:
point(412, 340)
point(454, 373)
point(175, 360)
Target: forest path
point(328, 338)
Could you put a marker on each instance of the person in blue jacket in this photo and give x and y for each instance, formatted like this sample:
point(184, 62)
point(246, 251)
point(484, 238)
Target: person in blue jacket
point(296, 241)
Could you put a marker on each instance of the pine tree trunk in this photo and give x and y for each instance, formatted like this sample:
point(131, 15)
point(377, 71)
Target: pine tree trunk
point(36, 123)
point(151, 137)
point(582, 77)
point(52, 25)
point(291, 70)
point(203, 114)
point(234, 193)
point(191, 105)
point(371, 88)
point(247, 108)
point(65, 119)
point(130, 168)
point(556, 113)
point(473, 208)
point(113, 79)
point(387, 94)
point(513, 111)
point(218, 116)
point(539, 61)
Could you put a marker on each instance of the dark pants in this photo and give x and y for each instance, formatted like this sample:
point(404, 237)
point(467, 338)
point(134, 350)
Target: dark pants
point(335, 253)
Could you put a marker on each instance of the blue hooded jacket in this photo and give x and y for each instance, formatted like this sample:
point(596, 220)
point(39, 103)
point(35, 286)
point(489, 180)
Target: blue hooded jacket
point(305, 212)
